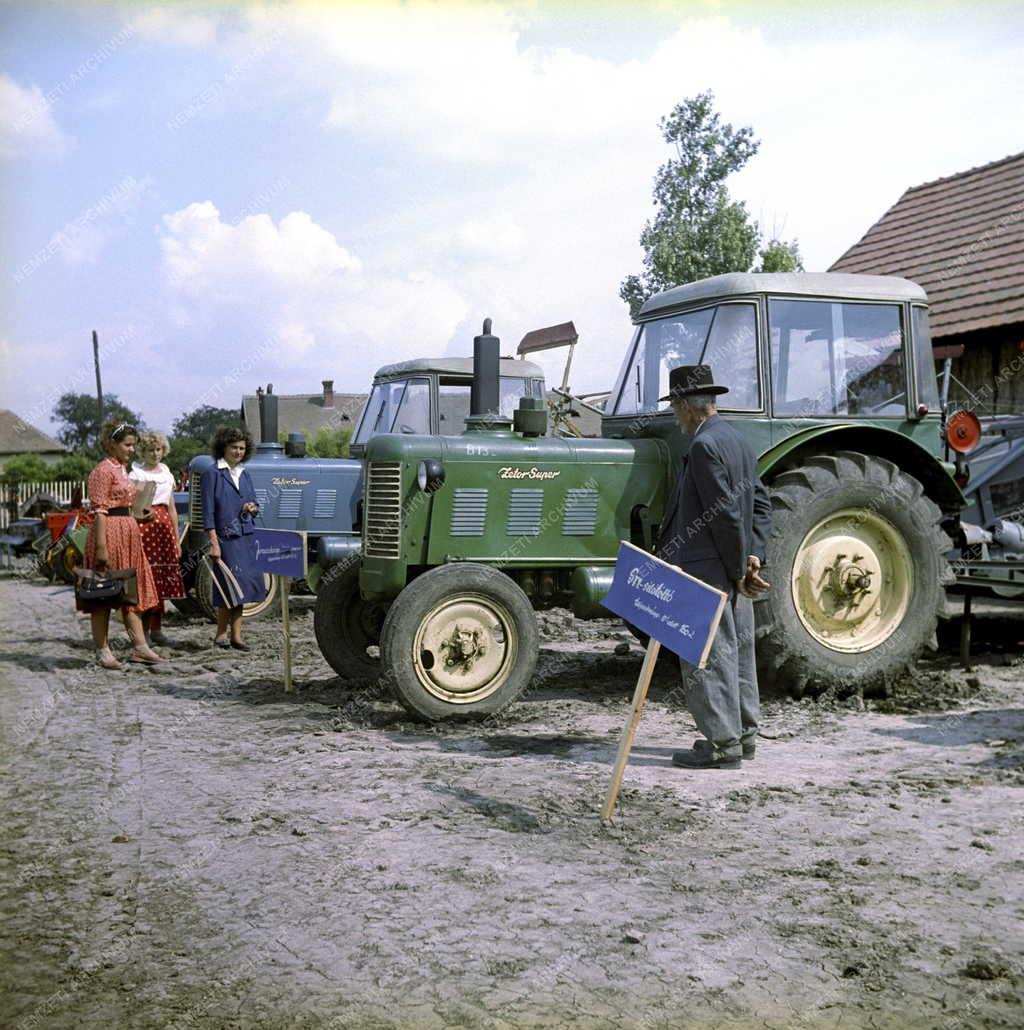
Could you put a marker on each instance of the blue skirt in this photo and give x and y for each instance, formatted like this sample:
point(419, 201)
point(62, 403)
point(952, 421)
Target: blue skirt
point(239, 554)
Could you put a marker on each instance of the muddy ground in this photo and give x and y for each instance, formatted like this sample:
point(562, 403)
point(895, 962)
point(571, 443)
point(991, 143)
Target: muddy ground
point(190, 847)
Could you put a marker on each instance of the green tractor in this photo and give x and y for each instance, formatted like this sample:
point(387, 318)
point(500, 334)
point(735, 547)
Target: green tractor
point(832, 381)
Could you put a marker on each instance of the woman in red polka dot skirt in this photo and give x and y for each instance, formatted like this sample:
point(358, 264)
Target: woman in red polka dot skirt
point(160, 533)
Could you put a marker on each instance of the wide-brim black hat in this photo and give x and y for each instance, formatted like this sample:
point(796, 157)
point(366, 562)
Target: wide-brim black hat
point(686, 380)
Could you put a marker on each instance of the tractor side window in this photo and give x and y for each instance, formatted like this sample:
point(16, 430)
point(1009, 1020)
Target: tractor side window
point(837, 359)
point(924, 361)
point(413, 415)
point(380, 410)
point(510, 390)
point(731, 352)
point(453, 407)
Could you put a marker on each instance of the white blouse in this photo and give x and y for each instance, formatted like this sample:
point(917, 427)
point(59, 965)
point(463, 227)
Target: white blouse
point(235, 473)
point(163, 478)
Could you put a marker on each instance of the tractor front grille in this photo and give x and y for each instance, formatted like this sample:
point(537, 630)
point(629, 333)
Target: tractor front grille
point(382, 534)
point(195, 503)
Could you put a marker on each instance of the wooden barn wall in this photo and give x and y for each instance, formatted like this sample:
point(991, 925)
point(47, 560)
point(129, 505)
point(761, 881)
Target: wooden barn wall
point(992, 369)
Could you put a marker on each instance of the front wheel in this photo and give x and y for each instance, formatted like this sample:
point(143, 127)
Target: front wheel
point(345, 625)
point(857, 571)
point(461, 640)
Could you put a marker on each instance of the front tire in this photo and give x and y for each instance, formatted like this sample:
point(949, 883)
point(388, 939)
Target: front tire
point(857, 571)
point(460, 641)
point(345, 625)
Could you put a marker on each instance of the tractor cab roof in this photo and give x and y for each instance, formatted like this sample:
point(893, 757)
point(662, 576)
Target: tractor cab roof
point(457, 367)
point(839, 285)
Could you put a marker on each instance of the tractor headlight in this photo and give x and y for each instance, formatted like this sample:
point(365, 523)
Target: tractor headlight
point(430, 476)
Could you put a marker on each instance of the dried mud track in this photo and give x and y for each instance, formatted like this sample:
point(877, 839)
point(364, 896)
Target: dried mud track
point(189, 847)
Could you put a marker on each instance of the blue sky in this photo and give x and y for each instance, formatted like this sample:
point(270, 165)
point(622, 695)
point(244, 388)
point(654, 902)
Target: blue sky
point(286, 192)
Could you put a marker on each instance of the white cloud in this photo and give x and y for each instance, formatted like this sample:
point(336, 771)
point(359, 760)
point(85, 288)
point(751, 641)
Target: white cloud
point(83, 239)
point(175, 26)
point(27, 125)
point(291, 287)
point(500, 234)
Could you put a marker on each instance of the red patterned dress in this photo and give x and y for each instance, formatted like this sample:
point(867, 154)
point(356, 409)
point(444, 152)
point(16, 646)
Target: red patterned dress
point(110, 487)
point(159, 536)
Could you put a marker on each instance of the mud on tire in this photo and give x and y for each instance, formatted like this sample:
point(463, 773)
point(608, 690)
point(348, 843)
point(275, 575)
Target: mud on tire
point(839, 522)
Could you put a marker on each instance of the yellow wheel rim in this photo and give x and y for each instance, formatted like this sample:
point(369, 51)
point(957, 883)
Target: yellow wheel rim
point(270, 583)
point(465, 648)
point(852, 581)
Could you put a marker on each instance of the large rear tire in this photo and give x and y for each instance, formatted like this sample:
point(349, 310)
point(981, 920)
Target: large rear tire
point(460, 641)
point(857, 567)
point(345, 625)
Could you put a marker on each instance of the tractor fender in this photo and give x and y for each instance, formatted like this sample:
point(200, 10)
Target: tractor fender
point(935, 475)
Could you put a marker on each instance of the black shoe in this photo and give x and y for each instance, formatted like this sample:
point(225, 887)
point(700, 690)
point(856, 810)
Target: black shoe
point(239, 646)
point(703, 758)
point(221, 643)
point(749, 750)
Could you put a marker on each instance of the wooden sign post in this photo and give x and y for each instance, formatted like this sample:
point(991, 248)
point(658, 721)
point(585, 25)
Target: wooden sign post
point(672, 608)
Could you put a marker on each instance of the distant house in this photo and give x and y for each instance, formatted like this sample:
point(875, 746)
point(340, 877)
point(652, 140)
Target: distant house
point(962, 239)
point(18, 437)
point(307, 412)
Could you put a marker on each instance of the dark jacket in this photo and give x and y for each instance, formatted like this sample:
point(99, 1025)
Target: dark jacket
point(222, 503)
point(719, 511)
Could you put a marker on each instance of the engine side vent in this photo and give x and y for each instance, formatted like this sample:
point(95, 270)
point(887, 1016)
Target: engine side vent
point(382, 527)
point(524, 511)
point(580, 517)
point(325, 504)
point(289, 504)
point(261, 497)
point(469, 512)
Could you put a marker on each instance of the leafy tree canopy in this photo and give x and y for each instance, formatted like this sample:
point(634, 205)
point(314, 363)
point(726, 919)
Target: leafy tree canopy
point(26, 468)
point(201, 423)
point(325, 442)
point(699, 230)
point(79, 426)
point(74, 467)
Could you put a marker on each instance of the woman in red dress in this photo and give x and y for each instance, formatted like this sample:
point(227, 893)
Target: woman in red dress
point(115, 542)
point(160, 533)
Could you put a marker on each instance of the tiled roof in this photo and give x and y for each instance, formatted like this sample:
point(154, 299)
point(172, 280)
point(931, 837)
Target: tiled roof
point(305, 413)
point(18, 437)
point(962, 239)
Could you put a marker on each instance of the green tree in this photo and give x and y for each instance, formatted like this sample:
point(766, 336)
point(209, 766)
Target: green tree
point(79, 427)
point(778, 256)
point(26, 468)
point(183, 450)
point(699, 230)
point(325, 442)
point(202, 422)
point(74, 467)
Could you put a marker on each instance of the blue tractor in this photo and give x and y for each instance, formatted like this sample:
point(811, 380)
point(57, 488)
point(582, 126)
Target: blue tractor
point(324, 496)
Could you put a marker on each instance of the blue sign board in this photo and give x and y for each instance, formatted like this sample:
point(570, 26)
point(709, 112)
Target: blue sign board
point(281, 552)
point(674, 608)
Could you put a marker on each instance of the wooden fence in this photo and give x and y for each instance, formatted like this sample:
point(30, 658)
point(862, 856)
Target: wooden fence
point(14, 496)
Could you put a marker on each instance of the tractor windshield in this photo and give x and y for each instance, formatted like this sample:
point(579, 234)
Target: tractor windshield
point(830, 358)
point(453, 400)
point(724, 337)
point(399, 406)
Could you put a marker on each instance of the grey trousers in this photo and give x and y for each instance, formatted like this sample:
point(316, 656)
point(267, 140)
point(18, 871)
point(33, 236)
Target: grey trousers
point(722, 697)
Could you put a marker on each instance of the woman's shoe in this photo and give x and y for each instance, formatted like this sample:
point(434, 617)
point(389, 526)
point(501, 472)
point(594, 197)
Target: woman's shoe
point(221, 642)
point(105, 658)
point(146, 657)
point(239, 646)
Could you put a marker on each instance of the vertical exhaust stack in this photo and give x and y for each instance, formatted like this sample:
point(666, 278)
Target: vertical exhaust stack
point(485, 394)
point(268, 419)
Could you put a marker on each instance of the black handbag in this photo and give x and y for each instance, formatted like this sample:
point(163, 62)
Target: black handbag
point(111, 588)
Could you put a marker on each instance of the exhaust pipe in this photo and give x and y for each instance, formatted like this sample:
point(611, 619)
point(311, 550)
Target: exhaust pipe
point(485, 394)
point(268, 417)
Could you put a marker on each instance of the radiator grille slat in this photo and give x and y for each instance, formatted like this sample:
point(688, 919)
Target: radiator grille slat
point(524, 511)
point(195, 503)
point(469, 512)
point(325, 504)
point(580, 515)
point(382, 531)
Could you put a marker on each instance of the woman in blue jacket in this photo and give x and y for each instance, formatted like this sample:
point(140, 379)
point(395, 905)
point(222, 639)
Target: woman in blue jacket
point(229, 507)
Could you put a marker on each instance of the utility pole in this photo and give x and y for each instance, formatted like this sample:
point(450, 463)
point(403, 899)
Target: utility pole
point(99, 385)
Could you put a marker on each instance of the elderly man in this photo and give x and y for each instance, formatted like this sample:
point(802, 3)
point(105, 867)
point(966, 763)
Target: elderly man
point(716, 526)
